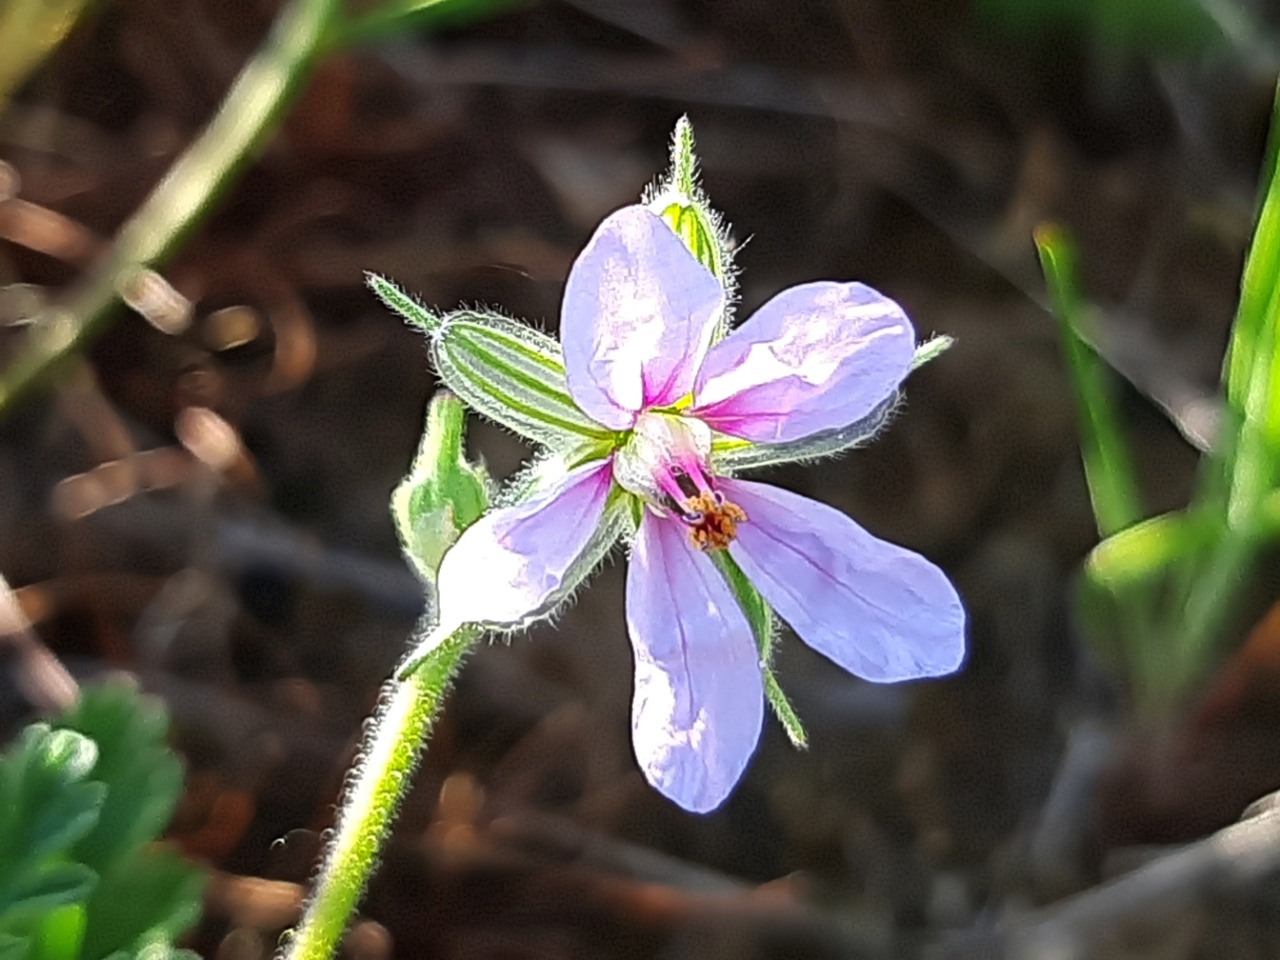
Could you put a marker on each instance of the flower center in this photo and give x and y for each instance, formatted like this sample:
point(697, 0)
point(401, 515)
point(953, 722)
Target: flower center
point(713, 520)
point(667, 462)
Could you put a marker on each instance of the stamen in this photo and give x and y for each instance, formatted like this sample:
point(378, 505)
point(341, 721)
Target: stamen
point(712, 519)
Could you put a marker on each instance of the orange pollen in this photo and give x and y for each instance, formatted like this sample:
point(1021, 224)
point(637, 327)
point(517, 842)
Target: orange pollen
point(713, 520)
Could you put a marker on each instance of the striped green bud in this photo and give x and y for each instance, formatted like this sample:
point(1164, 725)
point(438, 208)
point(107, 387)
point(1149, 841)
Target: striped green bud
point(514, 375)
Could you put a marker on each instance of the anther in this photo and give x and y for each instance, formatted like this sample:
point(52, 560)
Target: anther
point(712, 519)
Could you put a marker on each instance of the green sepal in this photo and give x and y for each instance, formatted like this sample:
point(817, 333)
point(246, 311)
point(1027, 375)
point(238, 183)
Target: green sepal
point(1108, 467)
point(692, 225)
point(443, 493)
point(930, 350)
point(678, 199)
point(397, 301)
point(764, 628)
point(513, 375)
point(731, 454)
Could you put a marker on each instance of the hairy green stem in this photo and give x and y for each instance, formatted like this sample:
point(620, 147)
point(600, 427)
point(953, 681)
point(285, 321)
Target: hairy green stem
point(264, 89)
point(377, 783)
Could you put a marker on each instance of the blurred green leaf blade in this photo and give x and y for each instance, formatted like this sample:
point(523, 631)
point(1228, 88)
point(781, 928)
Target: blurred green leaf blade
point(60, 934)
point(29, 31)
point(1250, 453)
point(1113, 485)
point(150, 897)
point(384, 19)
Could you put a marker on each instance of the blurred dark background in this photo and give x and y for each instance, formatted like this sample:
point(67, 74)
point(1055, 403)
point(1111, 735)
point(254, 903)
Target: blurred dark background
point(205, 507)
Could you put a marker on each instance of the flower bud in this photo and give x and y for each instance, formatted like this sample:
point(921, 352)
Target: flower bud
point(680, 201)
point(513, 375)
point(443, 494)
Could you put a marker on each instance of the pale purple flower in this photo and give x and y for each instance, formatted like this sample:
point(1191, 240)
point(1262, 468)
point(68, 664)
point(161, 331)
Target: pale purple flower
point(638, 325)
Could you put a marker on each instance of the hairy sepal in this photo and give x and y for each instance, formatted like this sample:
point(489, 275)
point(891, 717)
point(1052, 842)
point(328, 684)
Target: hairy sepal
point(765, 630)
point(512, 374)
point(443, 494)
point(398, 301)
point(731, 454)
point(678, 198)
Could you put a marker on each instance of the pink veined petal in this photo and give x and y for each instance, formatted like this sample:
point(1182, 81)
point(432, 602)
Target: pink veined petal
point(699, 697)
point(638, 315)
point(876, 609)
point(817, 357)
point(511, 565)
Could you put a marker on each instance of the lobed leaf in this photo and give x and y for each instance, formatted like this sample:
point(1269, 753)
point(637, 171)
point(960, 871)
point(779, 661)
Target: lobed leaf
point(141, 775)
point(46, 804)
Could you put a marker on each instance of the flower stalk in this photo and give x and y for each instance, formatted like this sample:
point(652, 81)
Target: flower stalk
point(376, 786)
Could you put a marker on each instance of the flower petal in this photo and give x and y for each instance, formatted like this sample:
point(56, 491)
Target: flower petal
point(516, 563)
point(638, 315)
point(876, 609)
point(816, 357)
point(699, 696)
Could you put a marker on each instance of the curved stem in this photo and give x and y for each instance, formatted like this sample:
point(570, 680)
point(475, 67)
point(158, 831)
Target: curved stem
point(375, 787)
point(263, 90)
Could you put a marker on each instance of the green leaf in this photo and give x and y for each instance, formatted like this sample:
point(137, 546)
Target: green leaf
point(764, 629)
point(14, 947)
point(1113, 485)
point(143, 778)
point(46, 804)
point(29, 31)
point(150, 897)
point(1132, 26)
point(443, 494)
point(59, 934)
point(389, 18)
point(43, 887)
point(1251, 378)
point(1147, 551)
